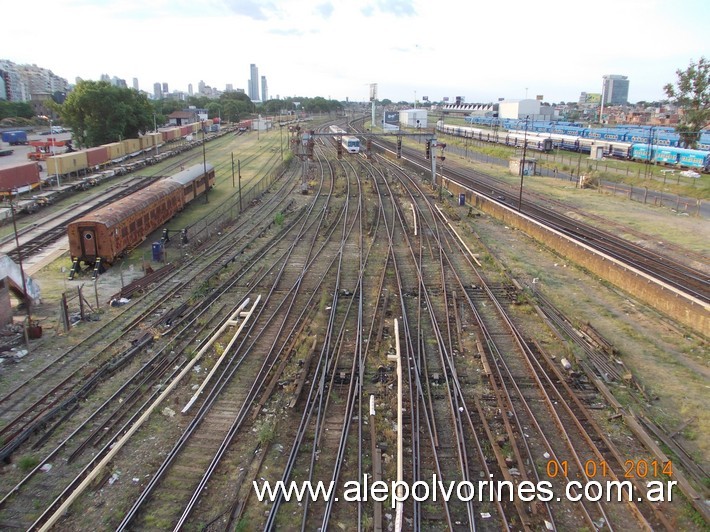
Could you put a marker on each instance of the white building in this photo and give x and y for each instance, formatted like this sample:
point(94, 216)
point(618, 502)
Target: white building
point(519, 109)
point(413, 118)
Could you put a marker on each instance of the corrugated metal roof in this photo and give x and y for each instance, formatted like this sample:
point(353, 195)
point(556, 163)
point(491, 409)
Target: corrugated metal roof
point(190, 174)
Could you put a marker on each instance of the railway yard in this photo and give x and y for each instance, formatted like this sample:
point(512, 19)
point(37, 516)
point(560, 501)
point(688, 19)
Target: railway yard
point(266, 347)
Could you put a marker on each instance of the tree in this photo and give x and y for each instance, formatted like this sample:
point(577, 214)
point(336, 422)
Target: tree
point(235, 106)
point(214, 110)
point(99, 113)
point(692, 96)
point(15, 110)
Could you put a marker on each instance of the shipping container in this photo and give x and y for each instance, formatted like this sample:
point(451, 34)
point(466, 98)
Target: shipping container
point(115, 150)
point(67, 163)
point(145, 142)
point(97, 156)
point(131, 146)
point(22, 175)
point(170, 134)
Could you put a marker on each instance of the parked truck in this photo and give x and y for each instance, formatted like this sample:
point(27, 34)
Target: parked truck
point(14, 138)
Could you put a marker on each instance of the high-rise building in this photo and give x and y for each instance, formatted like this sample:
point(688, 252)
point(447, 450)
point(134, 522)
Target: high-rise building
point(254, 83)
point(615, 89)
point(118, 82)
point(157, 91)
point(135, 84)
point(201, 87)
point(13, 86)
point(229, 88)
point(165, 88)
point(189, 89)
point(264, 89)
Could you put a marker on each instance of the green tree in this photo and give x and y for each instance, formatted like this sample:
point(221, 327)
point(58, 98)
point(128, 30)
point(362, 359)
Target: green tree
point(235, 106)
point(691, 94)
point(213, 110)
point(15, 110)
point(99, 113)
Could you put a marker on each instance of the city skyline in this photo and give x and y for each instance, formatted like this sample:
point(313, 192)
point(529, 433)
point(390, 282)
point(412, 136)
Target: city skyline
point(410, 48)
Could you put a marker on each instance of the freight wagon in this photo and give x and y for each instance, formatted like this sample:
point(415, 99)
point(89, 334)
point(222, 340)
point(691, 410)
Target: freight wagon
point(100, 238)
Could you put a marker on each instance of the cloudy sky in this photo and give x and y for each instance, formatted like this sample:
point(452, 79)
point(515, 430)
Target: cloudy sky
point(411, 48)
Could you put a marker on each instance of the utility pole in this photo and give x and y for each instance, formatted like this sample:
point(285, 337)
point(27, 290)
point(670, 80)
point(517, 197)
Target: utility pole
point(204, 161)
point(522, 165)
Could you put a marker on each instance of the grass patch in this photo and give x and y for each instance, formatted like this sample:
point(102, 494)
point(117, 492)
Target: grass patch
point(27, 463)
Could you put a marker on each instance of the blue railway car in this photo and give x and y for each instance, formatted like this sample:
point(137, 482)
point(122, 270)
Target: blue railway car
point(672, 156)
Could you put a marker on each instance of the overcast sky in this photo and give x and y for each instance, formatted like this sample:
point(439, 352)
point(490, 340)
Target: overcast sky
point(411, 48)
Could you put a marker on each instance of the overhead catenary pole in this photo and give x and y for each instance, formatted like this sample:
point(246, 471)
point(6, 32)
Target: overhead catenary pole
point(239, 174)
point(204, 161)
point(522, 165)
point(233, 170)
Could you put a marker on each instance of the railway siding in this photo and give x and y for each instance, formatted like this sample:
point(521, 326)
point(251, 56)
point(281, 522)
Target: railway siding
point(686, 310)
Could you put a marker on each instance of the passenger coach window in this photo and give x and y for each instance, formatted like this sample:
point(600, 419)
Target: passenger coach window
point(88, 236)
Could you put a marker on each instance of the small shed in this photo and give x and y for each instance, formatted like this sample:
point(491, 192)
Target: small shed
point(528, 165)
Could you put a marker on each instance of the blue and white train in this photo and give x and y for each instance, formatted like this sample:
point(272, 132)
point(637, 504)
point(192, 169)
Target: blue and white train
point(632, 134)
point(667, 155)
point(349, 142)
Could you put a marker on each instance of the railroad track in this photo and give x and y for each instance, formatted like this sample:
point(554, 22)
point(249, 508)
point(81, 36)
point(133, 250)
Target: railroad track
point(665, 268)
point(290, 399)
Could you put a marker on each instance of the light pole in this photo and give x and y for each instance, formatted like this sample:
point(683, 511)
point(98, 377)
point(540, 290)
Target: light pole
point(522, 166)
point(204, 161)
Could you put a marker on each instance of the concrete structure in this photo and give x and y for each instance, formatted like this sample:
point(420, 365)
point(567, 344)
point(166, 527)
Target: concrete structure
point(679, 306)
point(12, 276)
point(409, 118)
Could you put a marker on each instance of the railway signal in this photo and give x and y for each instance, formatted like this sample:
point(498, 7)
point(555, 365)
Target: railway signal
point(428, 149)
point(399, 147)
point(442, 146)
